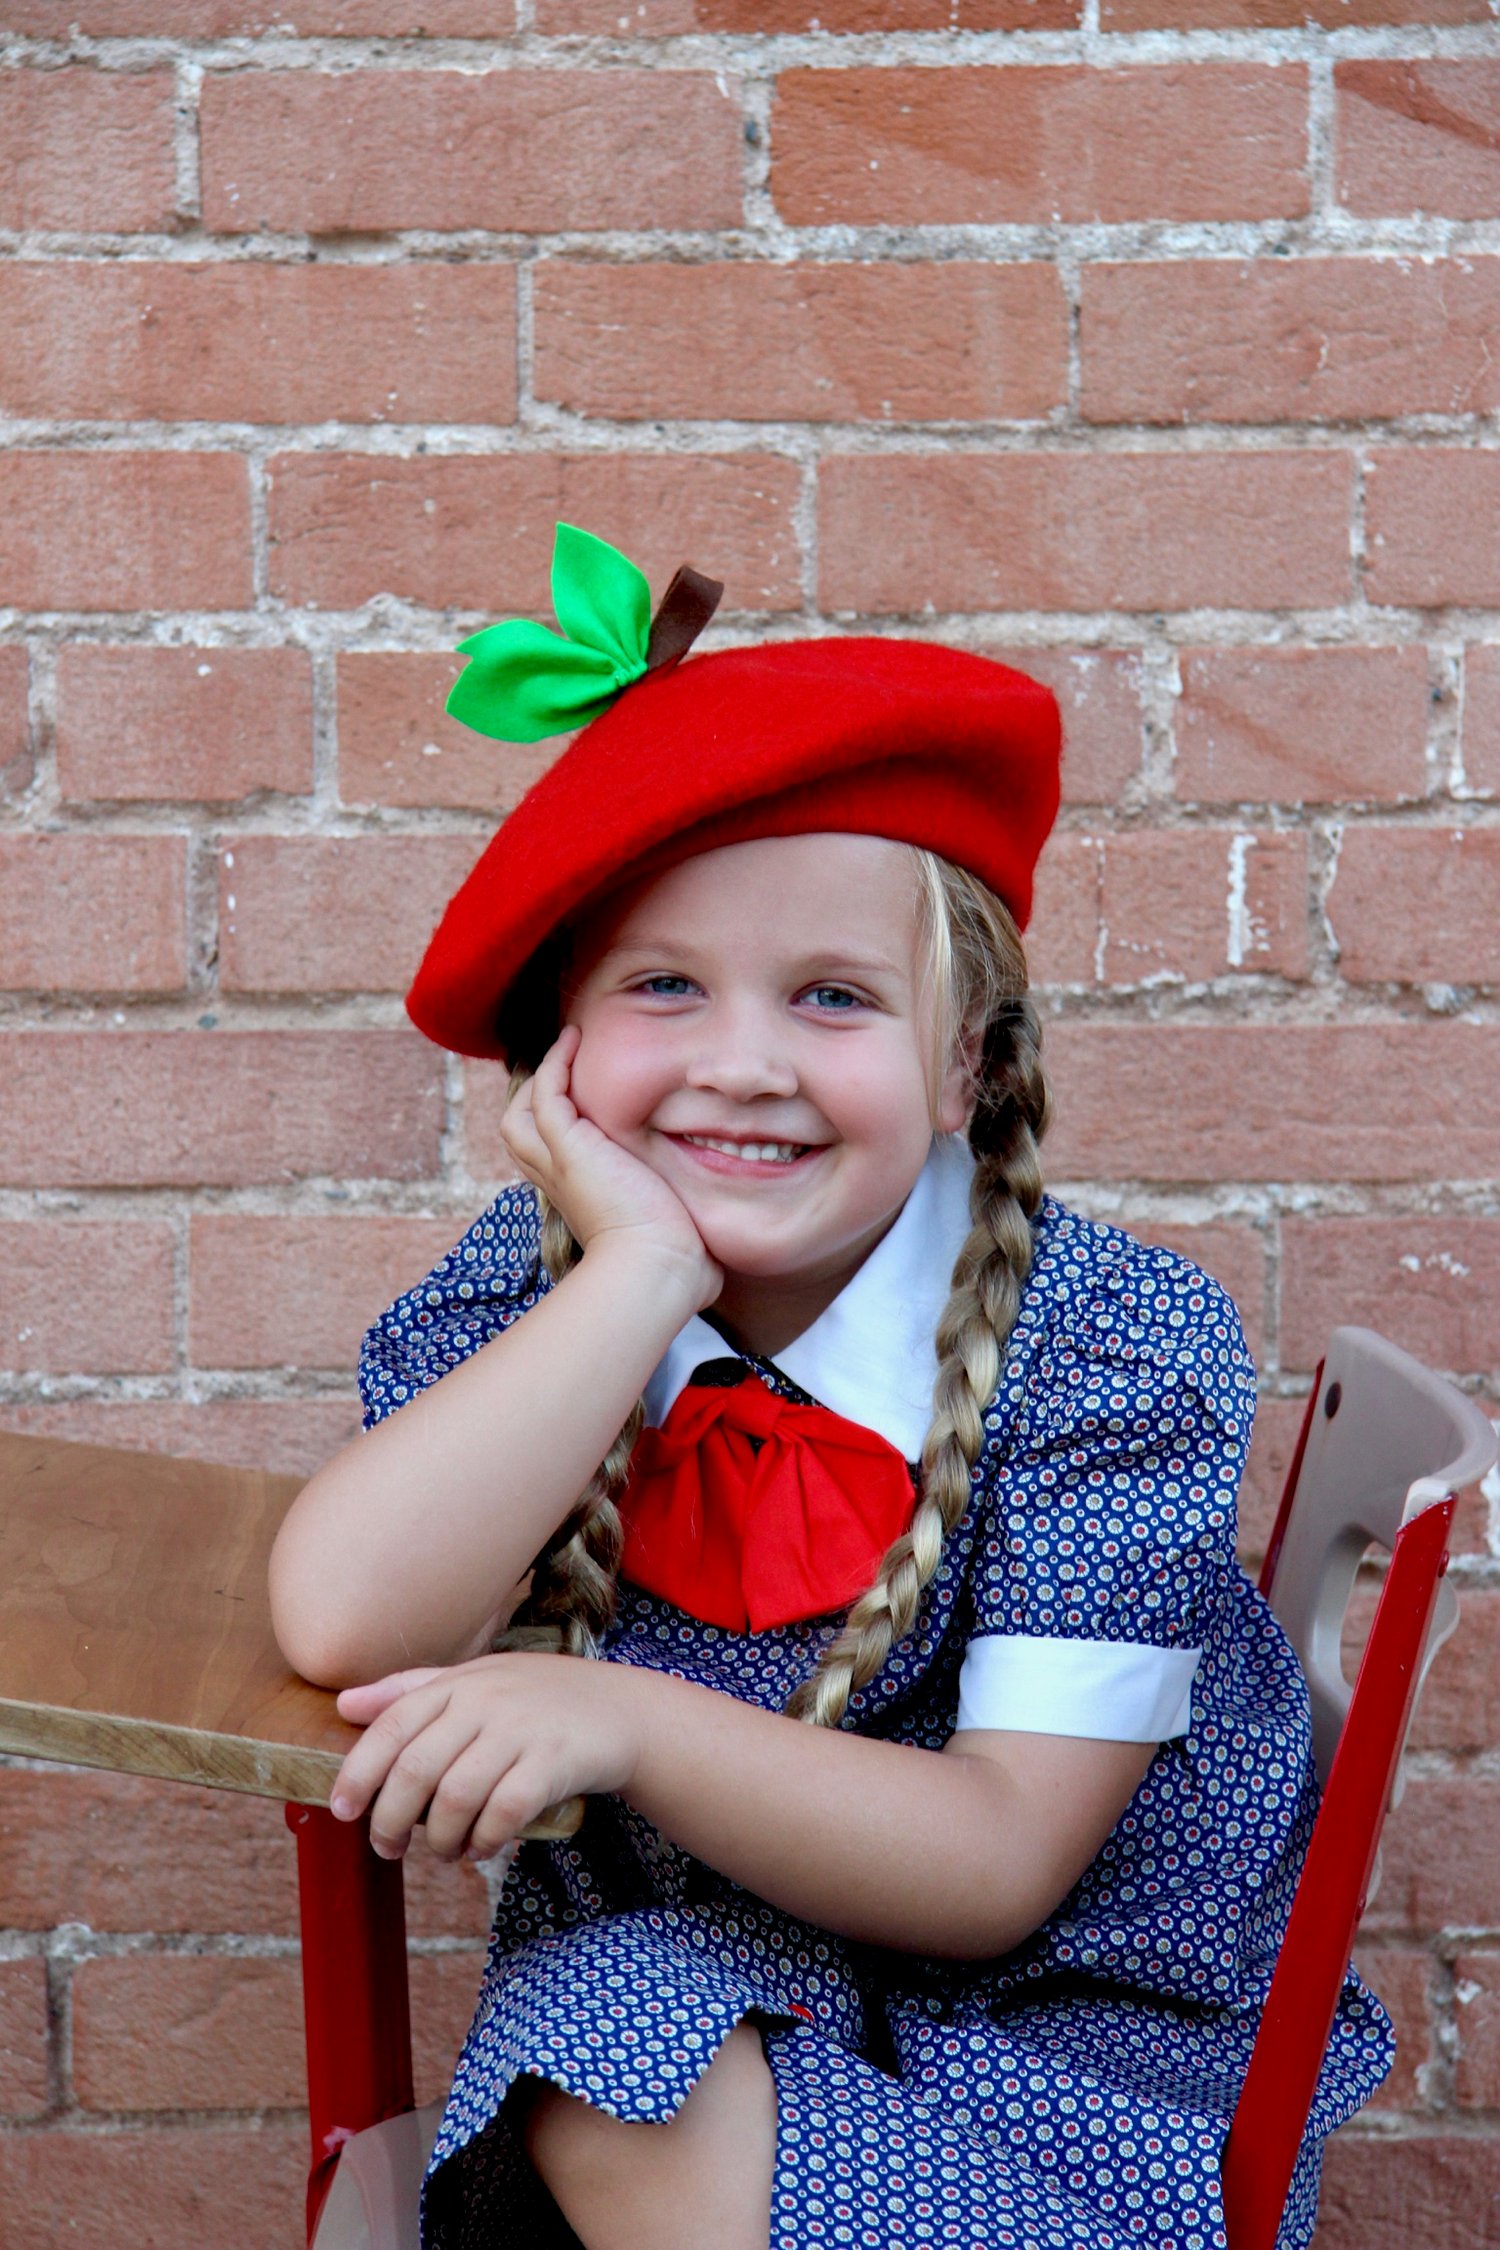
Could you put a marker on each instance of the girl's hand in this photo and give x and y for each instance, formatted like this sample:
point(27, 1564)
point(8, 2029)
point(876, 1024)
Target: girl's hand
point(477, 1750)
point(600, 1188)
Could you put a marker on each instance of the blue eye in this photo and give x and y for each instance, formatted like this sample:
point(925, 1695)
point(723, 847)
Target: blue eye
point(654, 985)
point(837, 998)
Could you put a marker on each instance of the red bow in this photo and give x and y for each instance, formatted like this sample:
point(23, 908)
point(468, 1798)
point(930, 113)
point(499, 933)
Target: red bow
point(751, 1536)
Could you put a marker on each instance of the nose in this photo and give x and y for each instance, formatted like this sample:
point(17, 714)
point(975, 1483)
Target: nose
point(740, 1056)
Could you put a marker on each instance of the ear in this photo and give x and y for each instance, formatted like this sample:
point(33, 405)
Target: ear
point(956, 1094)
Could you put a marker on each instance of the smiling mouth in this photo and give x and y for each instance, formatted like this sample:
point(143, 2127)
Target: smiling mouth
point(781, 1153)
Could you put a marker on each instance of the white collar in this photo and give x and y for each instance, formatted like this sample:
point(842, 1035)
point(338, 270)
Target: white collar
point(871, 1354)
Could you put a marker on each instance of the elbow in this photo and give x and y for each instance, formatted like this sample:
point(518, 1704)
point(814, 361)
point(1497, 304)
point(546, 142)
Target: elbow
point(304, 1630)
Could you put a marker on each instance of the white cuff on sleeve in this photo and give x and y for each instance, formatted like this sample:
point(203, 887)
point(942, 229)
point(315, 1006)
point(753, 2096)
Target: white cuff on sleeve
point(1110, 1691)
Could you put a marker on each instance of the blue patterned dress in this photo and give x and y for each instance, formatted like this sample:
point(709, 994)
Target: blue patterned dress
point(1076, 2091)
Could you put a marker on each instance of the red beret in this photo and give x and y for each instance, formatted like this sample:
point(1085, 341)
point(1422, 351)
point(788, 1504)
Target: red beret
point(900, 738)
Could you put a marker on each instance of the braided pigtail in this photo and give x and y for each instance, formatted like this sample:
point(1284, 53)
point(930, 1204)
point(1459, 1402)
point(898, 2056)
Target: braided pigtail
point(571, 1600)
point(978, 981)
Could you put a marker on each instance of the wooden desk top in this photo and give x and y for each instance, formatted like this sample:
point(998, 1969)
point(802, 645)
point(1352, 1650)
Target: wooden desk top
point(135, 1627)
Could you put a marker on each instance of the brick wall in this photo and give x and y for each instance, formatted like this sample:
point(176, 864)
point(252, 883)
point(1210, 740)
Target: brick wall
point(1151, 341)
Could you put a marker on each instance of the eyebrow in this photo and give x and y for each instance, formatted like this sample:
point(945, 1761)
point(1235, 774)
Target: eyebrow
point(807, 965)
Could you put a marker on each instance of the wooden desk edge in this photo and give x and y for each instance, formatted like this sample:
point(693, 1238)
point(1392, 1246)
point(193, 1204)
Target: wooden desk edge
point(215, 1761)
point(167, 1753)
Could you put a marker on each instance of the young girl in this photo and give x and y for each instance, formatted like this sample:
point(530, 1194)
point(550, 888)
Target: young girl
point(947, 1783)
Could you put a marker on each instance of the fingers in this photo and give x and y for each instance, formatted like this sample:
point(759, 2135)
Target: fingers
point(539, 1115)
point(384, 1753)
point(477, 1808)
point(518, 1799)
point(552, 1109)
point(419, 1789)
point(359, 1705)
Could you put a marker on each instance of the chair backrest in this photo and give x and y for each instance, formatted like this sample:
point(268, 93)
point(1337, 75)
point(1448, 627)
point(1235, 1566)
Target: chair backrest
point(1385, 1446)
point(1383, 1438)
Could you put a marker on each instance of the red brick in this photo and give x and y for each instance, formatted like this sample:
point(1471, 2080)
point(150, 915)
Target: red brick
point(1387, 2194)
point(1419, 136)
point(210, 2031)
point(486, 1086)
point(1277, 1422)
point(286, 1436)
point(113, 531)
point(1305, 725)
point(1265, 15)
point(1431, 1284)
point(949, 342)
point(1417, 905)
point(1202, 140)
point(1457, 1710)
point(397, 745)
point(17, 765)
point(444, 1990)
point(1234, 1255)
point(1099, 693)
point(86, 149)
point(173, 2031)
point(464, 533)
point(1480, 731)
point(1439, 1865)
point(1179, 906)
point(166, 2185)
point(23, 2038)
point(260, 343)
point(1476, 2011)
point(86, 1296)
point(333, 913)
point(100, 914)
point(323, 152)
point(1077, 531)
point(1062, 937)
point(1433, 527)
point(1201, 1102)
point(206, 1109)
point(1294, 340)
point(306, 19)
point(124, 1853)
point(1170, 906)
point(659, 19)
point(209, 724)
point(300, 1292)
point(1402, 1981)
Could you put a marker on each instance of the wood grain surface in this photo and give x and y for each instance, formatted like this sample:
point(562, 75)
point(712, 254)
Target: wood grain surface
point(135, 1626)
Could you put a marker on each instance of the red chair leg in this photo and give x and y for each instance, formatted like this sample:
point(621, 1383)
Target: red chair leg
point(354, 1992)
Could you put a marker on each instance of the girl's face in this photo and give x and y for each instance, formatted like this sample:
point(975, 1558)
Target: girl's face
point(755, 1027)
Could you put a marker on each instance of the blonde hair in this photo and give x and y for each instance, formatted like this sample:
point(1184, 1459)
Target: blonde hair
point(976, 990)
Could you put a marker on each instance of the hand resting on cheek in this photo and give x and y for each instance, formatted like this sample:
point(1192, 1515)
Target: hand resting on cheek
point(600, 1188)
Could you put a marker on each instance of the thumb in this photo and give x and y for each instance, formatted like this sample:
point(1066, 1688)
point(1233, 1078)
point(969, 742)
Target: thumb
point(367, 1701)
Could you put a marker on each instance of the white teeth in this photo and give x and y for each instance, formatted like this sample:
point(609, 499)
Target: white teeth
point(756, 1152)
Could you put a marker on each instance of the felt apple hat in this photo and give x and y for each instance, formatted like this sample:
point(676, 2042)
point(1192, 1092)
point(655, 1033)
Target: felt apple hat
point(901, 738)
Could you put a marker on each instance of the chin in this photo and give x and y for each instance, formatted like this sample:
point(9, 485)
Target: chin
point(743, 1250)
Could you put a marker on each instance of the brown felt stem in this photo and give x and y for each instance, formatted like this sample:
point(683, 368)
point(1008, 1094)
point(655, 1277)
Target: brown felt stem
point(685, 608)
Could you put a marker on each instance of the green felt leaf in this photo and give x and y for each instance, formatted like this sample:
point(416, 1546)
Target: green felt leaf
point(600, 597)
point(524, 682)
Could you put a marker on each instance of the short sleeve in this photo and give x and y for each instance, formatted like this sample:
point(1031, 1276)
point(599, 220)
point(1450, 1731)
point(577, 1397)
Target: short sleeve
point(487, 1280)
point(1107, 1541)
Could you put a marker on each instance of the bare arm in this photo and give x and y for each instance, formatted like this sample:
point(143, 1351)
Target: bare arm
point(405, 1549)
point(960, 1853)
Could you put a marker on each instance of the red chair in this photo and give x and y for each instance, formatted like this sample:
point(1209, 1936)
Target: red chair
point(1385, 1448)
